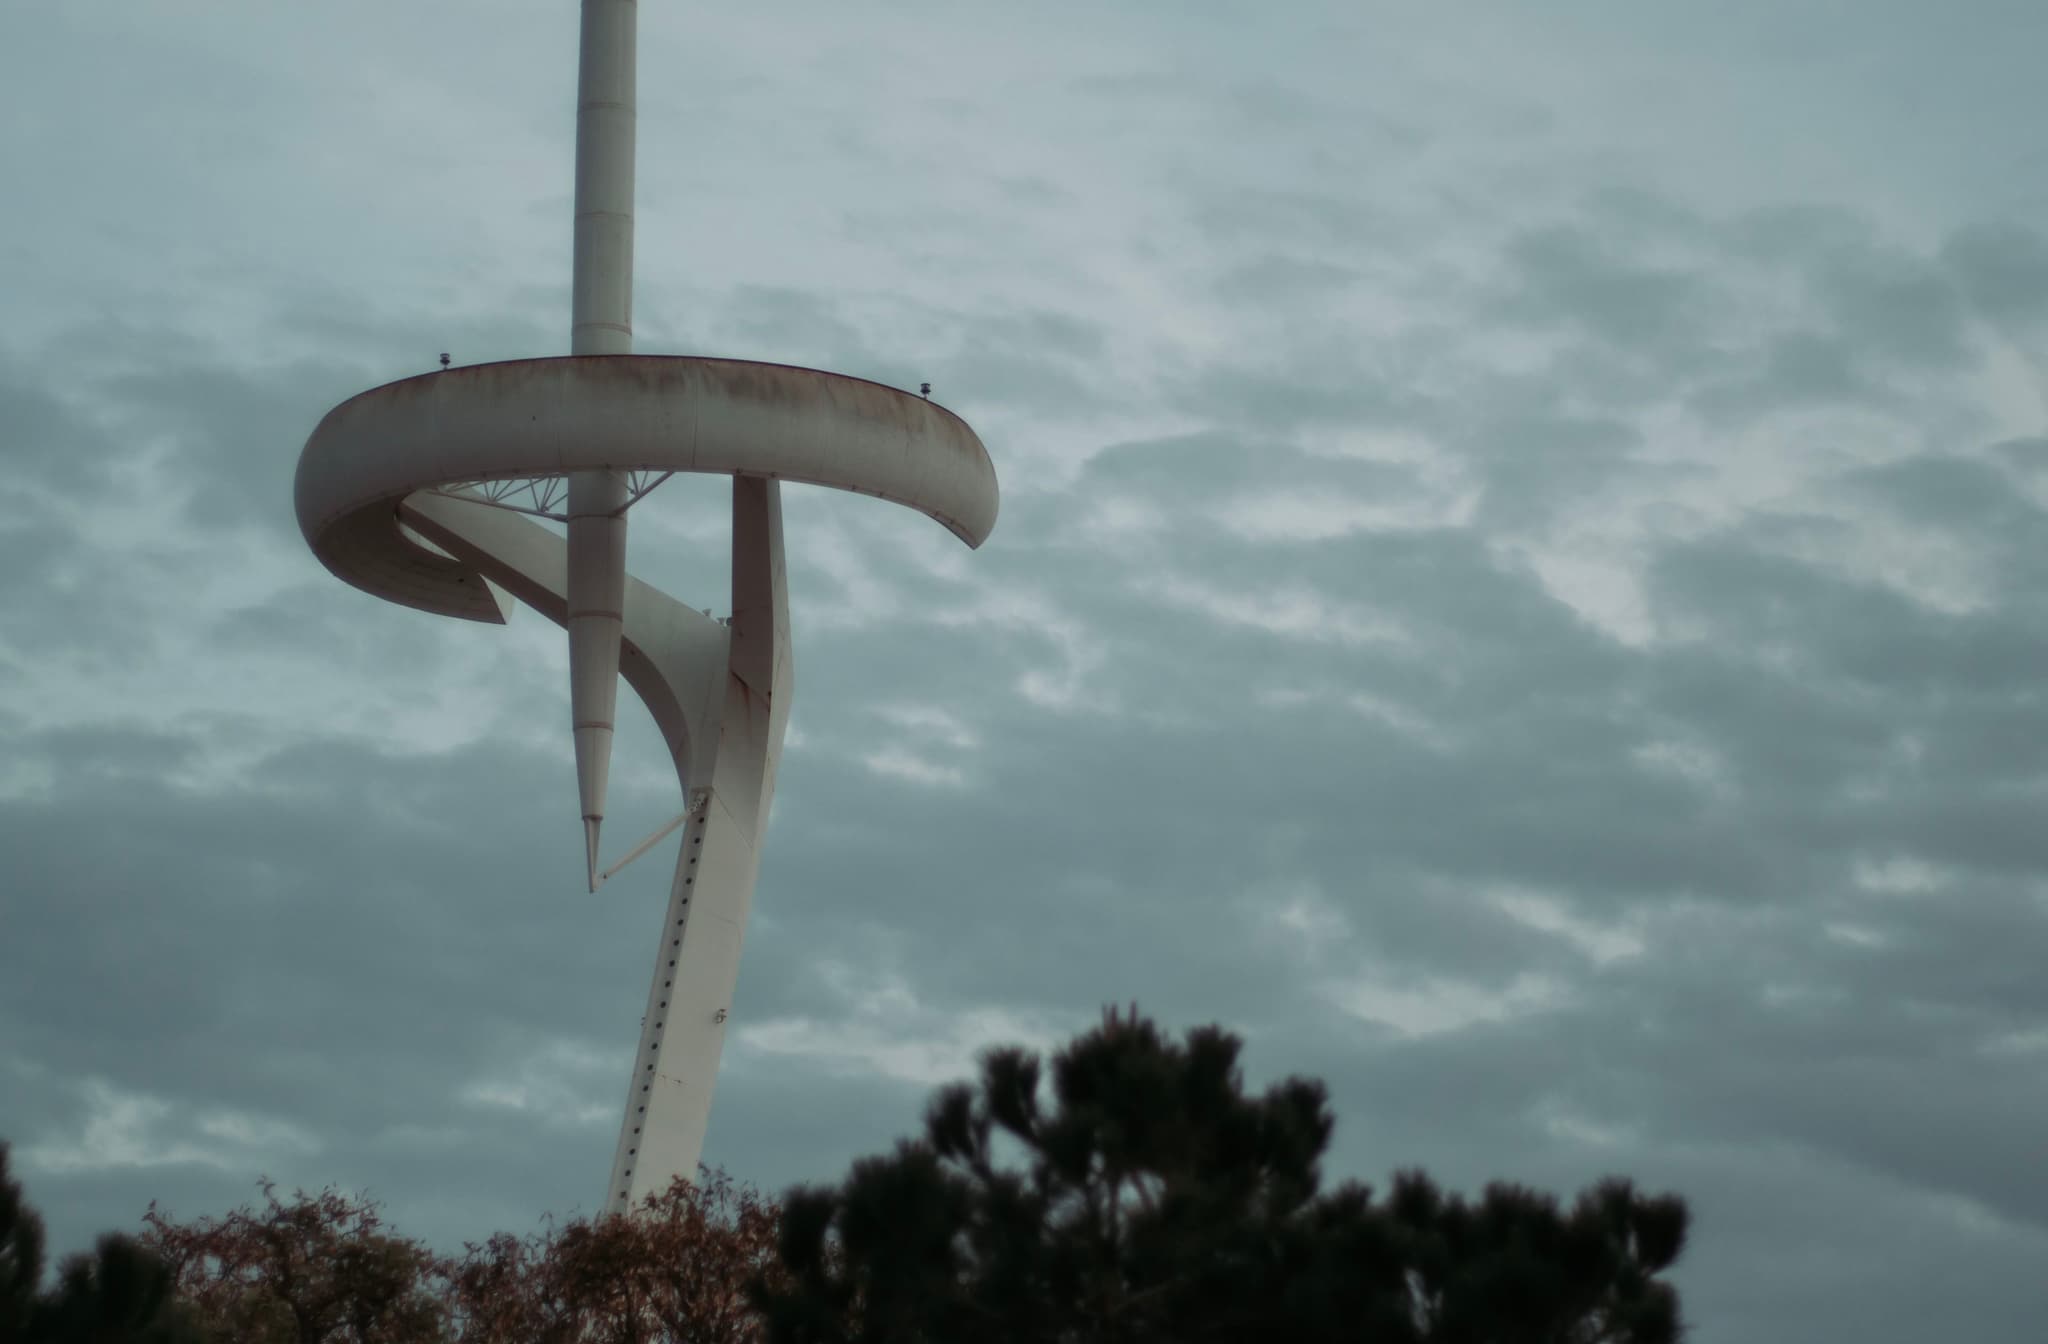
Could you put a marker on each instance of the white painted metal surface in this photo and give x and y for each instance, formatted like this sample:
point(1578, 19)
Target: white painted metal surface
point(388, 498)
point(601, 281)
point(597, 595)
point(550, 417)
point(601, 323)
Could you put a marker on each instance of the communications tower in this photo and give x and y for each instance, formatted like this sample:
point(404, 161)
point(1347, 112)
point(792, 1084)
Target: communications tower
point(415, 492)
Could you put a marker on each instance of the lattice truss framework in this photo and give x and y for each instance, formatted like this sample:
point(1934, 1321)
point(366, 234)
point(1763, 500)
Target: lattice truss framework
point(542, 496)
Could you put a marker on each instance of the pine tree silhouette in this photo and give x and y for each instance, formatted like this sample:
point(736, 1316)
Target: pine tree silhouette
point(21, 1256)
point(1155, 1200)
point(119, 1293)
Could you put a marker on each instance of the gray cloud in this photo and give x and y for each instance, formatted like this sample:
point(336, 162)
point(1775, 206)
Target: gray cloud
point(1541, 644)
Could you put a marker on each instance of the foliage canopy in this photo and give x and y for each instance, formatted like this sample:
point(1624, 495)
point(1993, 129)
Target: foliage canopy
point(1155, 1200)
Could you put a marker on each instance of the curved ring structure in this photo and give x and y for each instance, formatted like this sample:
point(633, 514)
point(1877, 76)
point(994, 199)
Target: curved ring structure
point(547, 417)
point(372, 501)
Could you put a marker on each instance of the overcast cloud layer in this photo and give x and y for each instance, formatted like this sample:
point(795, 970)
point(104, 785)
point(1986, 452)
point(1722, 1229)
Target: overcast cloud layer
point(1519, 589)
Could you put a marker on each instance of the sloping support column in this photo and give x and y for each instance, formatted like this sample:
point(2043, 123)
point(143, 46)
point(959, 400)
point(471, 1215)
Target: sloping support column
point(697, 960)
point(720, 695)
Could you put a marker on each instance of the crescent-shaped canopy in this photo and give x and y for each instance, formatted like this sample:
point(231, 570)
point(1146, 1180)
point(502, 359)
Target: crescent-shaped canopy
point(549, 417)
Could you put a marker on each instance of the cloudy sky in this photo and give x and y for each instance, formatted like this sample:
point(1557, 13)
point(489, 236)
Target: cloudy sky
point(1519, 590)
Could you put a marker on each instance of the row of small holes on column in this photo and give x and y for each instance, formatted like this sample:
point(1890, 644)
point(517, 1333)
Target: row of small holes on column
point(675, 944)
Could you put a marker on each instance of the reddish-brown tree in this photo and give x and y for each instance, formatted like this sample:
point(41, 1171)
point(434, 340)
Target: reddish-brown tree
point(314, 1269)
point(674, 1271)
point(324, 1269)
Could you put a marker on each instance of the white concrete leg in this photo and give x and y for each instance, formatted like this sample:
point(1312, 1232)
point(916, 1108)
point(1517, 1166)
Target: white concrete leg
point(721, 697)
